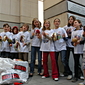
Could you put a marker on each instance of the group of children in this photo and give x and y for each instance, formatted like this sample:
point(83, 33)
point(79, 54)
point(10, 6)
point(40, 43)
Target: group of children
point(14, 44)
point(45, 41)
point(54, 41)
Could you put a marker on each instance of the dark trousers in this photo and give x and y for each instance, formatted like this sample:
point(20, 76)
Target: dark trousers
point(76, 64)
point(5, 54)
point(33, 58)
point(14, 56)
point(64, 61)
point(69, 49)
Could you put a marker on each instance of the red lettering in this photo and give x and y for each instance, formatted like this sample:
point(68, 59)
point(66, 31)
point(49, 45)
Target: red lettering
point(14, 76)
point(22, 68)
point(8, 76)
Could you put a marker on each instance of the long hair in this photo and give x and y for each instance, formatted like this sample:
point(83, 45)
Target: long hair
point(57, 19)
point(44, 28)
point(73, 21)
point(35, 19)
point(79, 21)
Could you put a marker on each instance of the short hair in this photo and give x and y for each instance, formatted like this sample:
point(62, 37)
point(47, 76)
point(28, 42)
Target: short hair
point(15, 27)
point(26, 25)
point(6, 25)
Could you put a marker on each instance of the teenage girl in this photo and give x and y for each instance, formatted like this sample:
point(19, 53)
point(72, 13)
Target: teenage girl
point(35, 47)
point(47, 46)
point(60, 44)
point(83, 63)
point(69, 28)
point(78, 47)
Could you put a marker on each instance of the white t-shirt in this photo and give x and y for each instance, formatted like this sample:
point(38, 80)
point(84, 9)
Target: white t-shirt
point(78, 49)
point(36, 42)
point(14, 36)
point(26, 39)
point(61, 43)
point(68, 42)
point(84, 43)
point(4, 44)
point(47, 45)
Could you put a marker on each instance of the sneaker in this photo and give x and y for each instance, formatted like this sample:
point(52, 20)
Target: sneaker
point(61, 74)
point(56, 79)
point(82, 83)
point(74, 80)
point(69, 77)
point(82, 78)
point(43, 77)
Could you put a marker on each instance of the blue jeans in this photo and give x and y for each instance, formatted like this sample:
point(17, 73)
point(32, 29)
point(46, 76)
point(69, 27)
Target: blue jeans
point(64, 61)
point(33, 58)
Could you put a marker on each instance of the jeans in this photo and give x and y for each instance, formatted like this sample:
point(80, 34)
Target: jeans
point(33, 58)
point(64, 61)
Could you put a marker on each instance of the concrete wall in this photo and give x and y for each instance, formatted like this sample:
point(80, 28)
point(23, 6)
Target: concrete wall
point(9, 10)
point(82, 2)
point(49, 3)
point(63, 17)
point(16, 12)
point(28, 10)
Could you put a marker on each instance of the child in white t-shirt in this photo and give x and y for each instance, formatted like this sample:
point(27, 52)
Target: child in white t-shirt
point(47, 46)
point(24, 41)
point(35, 47)
point(83, 63)
point(6, 39)
point(78, 48)
point(60, 45)
point(69, 28)
point(15, 43)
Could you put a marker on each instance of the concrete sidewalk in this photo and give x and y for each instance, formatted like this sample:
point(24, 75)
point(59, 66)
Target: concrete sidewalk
point(37, 80)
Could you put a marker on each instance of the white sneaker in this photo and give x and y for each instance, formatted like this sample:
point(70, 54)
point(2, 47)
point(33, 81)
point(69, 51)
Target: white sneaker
point(82, 78)
point(61, 74)
point(69, 77)
point(56, 79)
point(83, 83)
point(43, 77)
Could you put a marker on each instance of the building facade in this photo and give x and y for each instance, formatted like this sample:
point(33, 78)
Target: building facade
point(62, 9)
point(17, 12)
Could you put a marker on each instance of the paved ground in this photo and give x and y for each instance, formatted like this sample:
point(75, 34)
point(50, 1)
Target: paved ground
point(37, 80)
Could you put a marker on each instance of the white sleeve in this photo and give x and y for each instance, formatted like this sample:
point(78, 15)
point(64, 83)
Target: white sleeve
point(72, 35)
point(28, 38)
point(64, 32)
